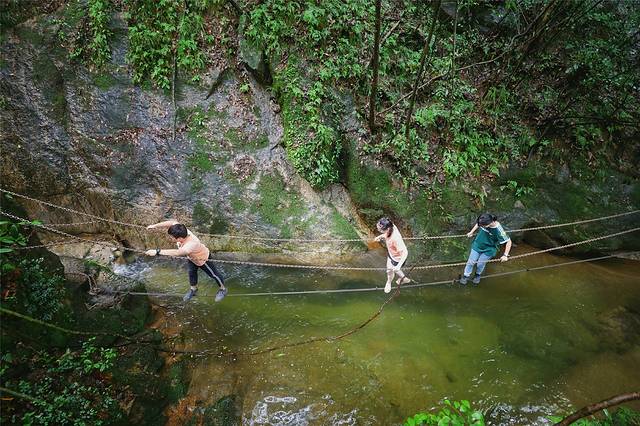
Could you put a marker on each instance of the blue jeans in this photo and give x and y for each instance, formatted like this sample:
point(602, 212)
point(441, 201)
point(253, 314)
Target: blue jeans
point(476, 258)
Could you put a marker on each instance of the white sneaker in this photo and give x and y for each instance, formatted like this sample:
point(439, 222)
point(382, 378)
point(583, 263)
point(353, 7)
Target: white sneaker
point(387, 287)
point(403, 280)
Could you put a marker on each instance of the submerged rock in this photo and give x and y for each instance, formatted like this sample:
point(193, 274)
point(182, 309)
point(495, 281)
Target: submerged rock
point(620, 328)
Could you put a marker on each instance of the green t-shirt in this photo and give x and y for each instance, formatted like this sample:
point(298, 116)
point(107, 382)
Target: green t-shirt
point(488, 239)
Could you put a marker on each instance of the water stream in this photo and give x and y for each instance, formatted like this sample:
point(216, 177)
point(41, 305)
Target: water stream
point(520, 347)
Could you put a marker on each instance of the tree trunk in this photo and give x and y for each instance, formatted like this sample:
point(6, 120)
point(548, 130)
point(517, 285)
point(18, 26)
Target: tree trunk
point(423, 59)
point(375, 65)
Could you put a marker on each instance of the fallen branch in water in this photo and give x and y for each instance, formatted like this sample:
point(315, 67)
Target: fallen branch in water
point(594, 408)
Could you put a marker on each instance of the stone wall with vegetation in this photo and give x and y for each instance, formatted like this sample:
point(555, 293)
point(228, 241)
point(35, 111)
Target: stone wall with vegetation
point(252, 117)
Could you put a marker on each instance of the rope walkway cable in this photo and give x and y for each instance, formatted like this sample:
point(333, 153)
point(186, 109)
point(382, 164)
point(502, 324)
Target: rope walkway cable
point(327, 339)
point(327, 240)
point(89, 222)
point(98, 218)
point(334, 268)
point(369, 289)
point(67, 330)
point(51, 244)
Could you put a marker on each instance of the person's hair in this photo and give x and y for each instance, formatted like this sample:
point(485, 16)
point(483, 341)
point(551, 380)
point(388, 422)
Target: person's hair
point(177, 230)
point(485, 219)
point(385, 223)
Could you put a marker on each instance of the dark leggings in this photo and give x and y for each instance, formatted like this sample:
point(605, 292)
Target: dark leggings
point(209, 268)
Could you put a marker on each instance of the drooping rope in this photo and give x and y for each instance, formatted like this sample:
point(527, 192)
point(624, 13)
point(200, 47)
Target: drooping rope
point(326, 267)
point(307, 240)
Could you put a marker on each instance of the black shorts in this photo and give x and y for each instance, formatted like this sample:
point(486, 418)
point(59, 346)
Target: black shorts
point(394, 263)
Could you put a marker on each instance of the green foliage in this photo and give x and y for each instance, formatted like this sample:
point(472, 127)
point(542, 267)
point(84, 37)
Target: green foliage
point(11, 235)
point(93, 43)
point(456, 413)
point(162, 29)
point(66, 389)
point(330, 36)
point(517, 189)
point(312, 146)
point(38, 292)
point(407, 156)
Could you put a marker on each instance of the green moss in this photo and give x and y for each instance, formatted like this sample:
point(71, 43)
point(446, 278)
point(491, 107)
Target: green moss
point(343, 229)
point(256, 111)
point(261, 141)
point(211, 219)
point(177, 385)
point(341, 226)
point(72, 13)
point(44, 70)
point(233, 137)
point(200, 162)
point(278, 207)
point(369, 187)
point(104, 81)
point(223, 413)
point(52, 82)
point(30, 35)
point(238, 204)
point(214, 113)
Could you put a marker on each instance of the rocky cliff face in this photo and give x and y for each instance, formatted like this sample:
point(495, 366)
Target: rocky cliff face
point(102, 145)
point(98, 143)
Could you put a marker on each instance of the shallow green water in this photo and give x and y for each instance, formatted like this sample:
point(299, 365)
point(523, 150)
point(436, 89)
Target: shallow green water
point(520, 347)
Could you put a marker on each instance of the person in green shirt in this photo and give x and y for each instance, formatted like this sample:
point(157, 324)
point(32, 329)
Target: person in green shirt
point(485, 246)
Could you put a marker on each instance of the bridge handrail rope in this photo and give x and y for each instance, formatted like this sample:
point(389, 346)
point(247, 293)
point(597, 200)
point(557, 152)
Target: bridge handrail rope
point(325, 267)
point(60, 242)
point(311, 340)
point(304, 240)
point(414, 284)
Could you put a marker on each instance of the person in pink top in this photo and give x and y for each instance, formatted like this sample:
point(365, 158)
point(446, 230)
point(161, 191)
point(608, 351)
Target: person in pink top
point(199, 257)
point(397, 252)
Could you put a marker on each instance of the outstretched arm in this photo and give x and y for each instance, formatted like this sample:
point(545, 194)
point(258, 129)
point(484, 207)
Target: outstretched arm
point(163, 225)
point(167, 252)
point(474, 229)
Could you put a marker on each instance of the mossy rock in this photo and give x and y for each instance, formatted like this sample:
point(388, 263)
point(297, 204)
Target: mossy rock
point(178, 381)
point(620, 328)
point(278, 207)
point(211, 220)
point(138, 369)
point(543, 341)
point(225, 412)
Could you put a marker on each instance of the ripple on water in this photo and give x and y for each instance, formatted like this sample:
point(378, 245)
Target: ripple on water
point(282, 411)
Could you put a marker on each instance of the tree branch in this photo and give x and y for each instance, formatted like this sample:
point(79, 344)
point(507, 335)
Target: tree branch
point(375, 62)
point(593, 408)
point(425, 52)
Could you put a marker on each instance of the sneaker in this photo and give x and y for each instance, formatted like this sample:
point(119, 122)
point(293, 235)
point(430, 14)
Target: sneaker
point(464, 279)
point(221, 294)
point(403, 280)
point(476, 279)
point(387, 287)
point(190, 294)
